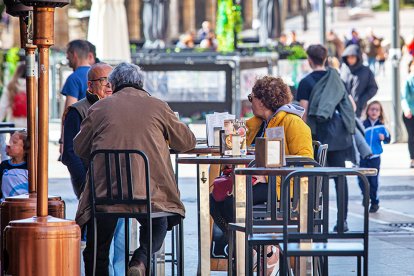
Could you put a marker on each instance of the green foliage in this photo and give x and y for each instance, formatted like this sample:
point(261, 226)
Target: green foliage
point(2, 54)
point(385, 5)
point(238, 18)
point(296, 52)
point(81, 5)
point(12, 58)
point(229, 24)
point(225, 26)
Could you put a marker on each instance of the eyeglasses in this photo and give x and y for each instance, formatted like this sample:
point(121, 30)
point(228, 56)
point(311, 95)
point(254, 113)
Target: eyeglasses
point(103, 81)
point(250, 97)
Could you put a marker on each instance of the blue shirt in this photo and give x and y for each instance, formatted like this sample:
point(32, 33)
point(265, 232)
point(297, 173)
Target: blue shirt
point(77, 83)
point(407, 95)
point(13, 179)
point(372, 132)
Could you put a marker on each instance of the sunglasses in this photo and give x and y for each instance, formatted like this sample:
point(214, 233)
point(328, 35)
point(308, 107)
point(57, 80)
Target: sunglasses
point(250, 97)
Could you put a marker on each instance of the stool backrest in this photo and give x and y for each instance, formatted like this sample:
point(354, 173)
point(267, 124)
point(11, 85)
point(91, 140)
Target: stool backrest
point(121, 169)
point(320, 152)
point(270, 213)
point(318, 220)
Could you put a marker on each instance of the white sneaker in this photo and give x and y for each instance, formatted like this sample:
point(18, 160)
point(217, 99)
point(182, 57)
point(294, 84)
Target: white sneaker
point(272, 260)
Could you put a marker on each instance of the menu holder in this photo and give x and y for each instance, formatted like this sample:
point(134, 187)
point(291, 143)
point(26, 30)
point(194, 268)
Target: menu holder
point(217, 136)
point(233, 138)
point(269, 152)
point(214, 121)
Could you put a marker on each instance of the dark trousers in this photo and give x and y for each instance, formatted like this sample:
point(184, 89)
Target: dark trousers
point(373, 180)
point(105, 233)
point(223, 212)
point(337, 159)
point(409, 125)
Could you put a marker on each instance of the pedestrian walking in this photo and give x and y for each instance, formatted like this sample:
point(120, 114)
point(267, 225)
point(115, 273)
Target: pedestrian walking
point(333, 124)
point(407, 104)
point(375, 135)
point(355, 40)
point(13, 102)
point(358, 78)
point(381, 56)
point(81, 54)
point(334, 44)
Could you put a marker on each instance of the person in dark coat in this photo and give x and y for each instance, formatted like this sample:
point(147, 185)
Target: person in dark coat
point(358, 78)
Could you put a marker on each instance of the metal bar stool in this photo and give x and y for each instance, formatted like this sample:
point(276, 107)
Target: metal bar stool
point(119, 163)
point(315, 243)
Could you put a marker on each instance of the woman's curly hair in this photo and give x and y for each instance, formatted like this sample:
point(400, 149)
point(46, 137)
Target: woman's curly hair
point(272, 91)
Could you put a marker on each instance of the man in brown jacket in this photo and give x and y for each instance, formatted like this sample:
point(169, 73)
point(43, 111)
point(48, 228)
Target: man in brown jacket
point(132, 119)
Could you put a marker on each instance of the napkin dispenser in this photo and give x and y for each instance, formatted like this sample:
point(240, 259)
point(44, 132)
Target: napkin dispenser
point(269, 152)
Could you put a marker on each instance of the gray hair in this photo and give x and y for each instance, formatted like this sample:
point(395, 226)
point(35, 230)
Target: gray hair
point(126, 73)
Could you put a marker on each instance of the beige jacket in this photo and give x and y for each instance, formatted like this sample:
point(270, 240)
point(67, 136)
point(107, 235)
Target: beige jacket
point(132, 119)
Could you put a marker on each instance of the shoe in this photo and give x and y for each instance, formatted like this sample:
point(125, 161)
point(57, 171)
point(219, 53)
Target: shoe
point(373, 208)
point(137, 269)
point(346, 229)
point(412, 164)
point(272, 260)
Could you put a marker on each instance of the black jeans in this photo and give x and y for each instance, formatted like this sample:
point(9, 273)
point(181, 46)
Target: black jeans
point(409, 125)
point(105, 232)
point(337, 159)
point(223, 212)
point(373, 180)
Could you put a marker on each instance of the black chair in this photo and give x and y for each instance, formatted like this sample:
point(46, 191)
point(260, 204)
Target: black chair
point(124, 195)
point(320, 152)
point(6, 124)
point(267, 217)
point(317, 240)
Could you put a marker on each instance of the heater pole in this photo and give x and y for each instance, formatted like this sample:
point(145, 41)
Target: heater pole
point(43, 38)
point(26, 27)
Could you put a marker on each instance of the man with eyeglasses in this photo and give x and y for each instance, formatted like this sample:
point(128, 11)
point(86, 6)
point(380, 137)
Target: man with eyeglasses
point(98, 88)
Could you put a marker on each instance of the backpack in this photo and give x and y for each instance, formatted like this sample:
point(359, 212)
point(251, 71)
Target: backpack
point(19, 106)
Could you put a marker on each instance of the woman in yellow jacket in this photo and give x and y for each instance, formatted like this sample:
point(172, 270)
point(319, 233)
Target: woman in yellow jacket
point(271, 104)
point(271, 107)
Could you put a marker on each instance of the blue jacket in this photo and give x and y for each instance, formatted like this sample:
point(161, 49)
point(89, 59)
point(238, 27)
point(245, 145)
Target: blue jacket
point(372, 132)
point(407, 95)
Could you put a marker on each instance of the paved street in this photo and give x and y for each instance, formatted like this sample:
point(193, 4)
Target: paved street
point(391, 229)
point(391, 244)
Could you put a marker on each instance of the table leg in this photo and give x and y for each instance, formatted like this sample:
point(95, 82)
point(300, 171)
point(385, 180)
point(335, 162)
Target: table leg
point(203, 202)
point(304, 262)
point(240, 201)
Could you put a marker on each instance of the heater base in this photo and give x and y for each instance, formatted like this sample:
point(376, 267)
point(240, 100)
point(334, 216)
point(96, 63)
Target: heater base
point(42, 246)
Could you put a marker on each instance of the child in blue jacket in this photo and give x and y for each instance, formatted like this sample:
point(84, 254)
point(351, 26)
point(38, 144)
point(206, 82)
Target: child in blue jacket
point(375, 134)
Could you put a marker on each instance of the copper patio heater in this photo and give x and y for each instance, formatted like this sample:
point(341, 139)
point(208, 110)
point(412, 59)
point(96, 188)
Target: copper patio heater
point(42, 245)
point(24, 206)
